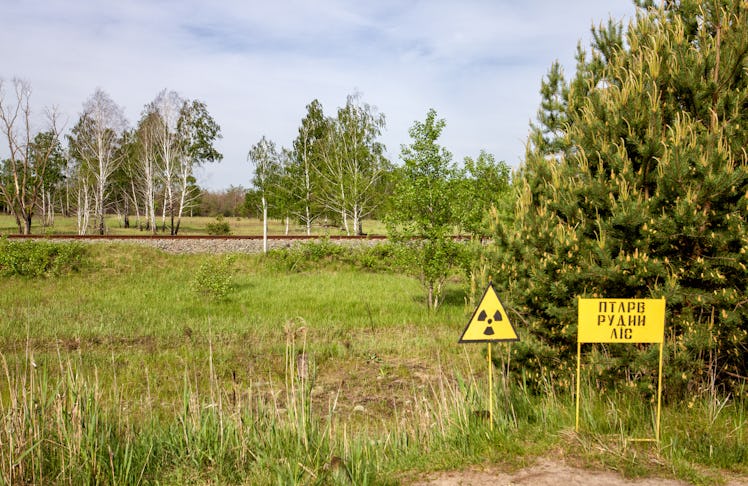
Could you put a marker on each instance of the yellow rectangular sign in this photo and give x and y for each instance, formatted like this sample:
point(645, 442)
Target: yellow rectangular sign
point(621, 321)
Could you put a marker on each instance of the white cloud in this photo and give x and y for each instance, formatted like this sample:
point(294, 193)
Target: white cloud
point(257, 64)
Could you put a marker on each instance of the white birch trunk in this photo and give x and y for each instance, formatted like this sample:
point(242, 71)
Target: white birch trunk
point(264, 225)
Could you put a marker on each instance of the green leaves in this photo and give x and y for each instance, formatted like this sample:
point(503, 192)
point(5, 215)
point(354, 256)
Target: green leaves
point(423, 215)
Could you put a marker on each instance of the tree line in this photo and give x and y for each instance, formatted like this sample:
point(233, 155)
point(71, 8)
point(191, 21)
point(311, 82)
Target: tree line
point(102, 165)
point(334, 173)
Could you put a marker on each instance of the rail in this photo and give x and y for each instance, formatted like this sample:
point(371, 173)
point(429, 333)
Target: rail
point(191, 237)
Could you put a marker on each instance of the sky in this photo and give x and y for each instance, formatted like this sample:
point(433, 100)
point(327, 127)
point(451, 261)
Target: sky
point(256, 65)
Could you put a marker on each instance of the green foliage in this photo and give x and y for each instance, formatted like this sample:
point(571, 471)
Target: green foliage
point(352, 163)
point(220, 227)
point(424, 212)
point(381, 257)
point(40, 258)
point(645, 197)
point(214, 277)
point(483, 187)
point(302, 178)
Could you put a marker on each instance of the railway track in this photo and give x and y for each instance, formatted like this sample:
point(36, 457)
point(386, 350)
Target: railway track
point(207, 243)
point(192, 237)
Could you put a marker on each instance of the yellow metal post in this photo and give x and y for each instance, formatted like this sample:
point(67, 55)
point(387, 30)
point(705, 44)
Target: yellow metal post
point(490, 387)
point(579, 373)
point(659, 396)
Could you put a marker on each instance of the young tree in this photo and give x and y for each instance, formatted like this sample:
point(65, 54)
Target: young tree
point(95, 144)
point(31, 157)
point(267, 170)
point(422, 215)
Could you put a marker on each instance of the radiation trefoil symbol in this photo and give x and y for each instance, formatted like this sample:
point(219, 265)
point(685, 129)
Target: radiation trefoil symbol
point(489, 322)
point(483, 317)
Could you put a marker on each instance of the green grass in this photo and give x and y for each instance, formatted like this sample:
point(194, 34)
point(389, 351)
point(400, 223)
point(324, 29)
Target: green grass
point(122, 373)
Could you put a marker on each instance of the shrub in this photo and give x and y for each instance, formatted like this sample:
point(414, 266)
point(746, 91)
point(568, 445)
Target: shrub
point(220, 227)
point(39, 258)
point(214, 277)
point(383, 257)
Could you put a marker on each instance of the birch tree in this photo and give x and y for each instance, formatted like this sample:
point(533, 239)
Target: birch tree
point(146, 167)
point(197, 133)
point(266, 163)
point(47, 151)
point(29, 157)
point(302, 182)
point(95, 143)
point(352, 163)
point(182, 136)
point(168, 106)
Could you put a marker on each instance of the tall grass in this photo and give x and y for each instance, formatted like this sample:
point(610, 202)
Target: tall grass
point(70, 430)
point(66, 430)
point(318, 375)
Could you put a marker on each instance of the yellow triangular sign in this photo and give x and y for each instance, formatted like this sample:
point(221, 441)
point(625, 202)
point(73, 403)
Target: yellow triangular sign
point(489, 322)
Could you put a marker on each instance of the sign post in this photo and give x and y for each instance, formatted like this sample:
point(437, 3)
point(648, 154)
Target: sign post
point(625, 321)
point(489, 324)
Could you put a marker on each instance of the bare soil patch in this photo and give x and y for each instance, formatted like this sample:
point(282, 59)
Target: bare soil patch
point(548, 472)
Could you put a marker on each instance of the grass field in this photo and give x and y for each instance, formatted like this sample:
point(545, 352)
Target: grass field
point(190, 226)
point(126, 373)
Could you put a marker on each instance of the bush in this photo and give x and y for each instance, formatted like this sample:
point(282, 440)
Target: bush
point(214, 278)
point(384, 257)
point(219, 228)
point(40, 258)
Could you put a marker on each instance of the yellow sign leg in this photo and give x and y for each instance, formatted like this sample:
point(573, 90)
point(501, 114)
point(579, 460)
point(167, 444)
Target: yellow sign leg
point(490, 387)
point(579, 373)
point(659, 398)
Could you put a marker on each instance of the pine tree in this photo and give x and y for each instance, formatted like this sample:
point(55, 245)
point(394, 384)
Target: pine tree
point(649, 199)
point(547, 137)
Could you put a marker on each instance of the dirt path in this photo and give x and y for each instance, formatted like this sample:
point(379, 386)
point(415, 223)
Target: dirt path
point(548, 472)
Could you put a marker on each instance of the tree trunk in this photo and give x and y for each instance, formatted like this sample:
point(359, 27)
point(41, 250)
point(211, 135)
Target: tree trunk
point(264, 225)
point(344, 215)
point(308, 222)
point(101, 207)
point(44, 207)
point(51, 209)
